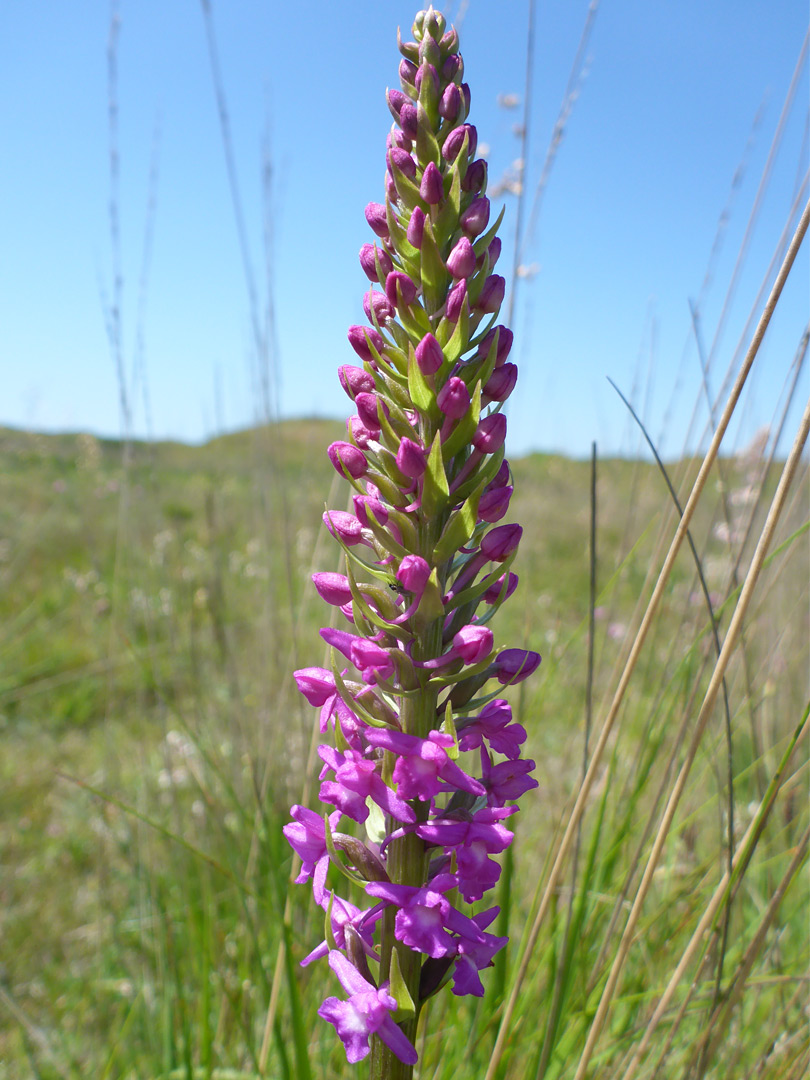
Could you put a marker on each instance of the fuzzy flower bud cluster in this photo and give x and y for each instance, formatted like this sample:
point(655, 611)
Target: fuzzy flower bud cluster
point(424, 761)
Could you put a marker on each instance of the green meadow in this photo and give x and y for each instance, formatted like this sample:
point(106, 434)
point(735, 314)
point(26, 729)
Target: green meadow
point(154, 601)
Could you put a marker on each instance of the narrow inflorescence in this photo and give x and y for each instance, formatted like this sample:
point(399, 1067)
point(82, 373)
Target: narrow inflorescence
point(425, 756)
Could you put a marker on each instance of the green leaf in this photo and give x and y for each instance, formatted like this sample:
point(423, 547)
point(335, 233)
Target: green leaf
point(435, 277)
point(406, 1009)
point(485, 472)
point(459, 340)
point(447, 221)
point(422, 396)
point(483, 241)
point(435, 488)
point(349, 701)
point(459, 528)
point(427, 147)
point(375, 823)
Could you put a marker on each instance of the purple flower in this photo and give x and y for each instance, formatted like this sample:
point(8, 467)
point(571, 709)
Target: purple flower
point(345, 526)
point(411, 459)
point(455, 300)
point(499, 543)
point(494, 503)
point(508, 780)
point(423, 767)
point(450, 102)
point(501, 382)
point(357, 779)
point(399, 288)
point(307, 837)
point(333, 588)
point(491, 433)
point(355, 380)
point(493, 593)
point(368, 1011)
point(491, 296)
point(494, 724)
point(473, 643)
point(378, 308)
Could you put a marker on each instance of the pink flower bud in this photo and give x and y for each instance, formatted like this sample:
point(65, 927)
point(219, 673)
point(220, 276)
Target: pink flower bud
point(514, 665)
point(359, 432)
point(502, 382)
point(407, 120)
point(454, 398)
point(455, 140)
point(333, 588)
point(403, 161)
point(359, 338)
point(375, 663)
point(377, 218)
point(348, 459)
point(452, 66)
point(475, 218)
point(455, 300)
point(491, 296)
point(431, 188)
point(494, 503)
point(369, 253)
point(355, 380)
point(501, 477)
point(493, 593)
point(344, 526)
point(413, 573)
point(407, 72)
point(397, 282)
point(396, 99)
point(411, 459)
point(377, 306)
point(505, 338)
point(473, 643)
point(429, 355)
point(367, 411)
point(365, 504)
point(499, 543)
point(475, 179)
point(416, 227)
point(494, 252)
point(461, 260)
point(450, 102)
point(490, 434)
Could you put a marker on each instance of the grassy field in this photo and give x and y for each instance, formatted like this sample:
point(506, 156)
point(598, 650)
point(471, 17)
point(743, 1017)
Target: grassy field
point(153, 605)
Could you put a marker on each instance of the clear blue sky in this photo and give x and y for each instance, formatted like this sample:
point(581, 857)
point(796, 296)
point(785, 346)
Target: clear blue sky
point(623, 239)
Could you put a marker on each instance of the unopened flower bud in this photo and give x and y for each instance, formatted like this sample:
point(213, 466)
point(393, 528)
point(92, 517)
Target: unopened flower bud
point(407, 120)
point(359, 338)
point(411, 459)
point(494, 251)
point(431, 188)
point(403, 161)
point(429, 355)
point(450, 102)
point(427, 71)
point(396, 99)
point(475, 179)
point(493, 593)
point(473, 643)
point(367, 410)
point(399, 283)
point(316, 684)
point(505, 339)
point(413, 573)
point(454, 398)
point(490, 434)
point(494, 503)
point(407, 72)
point(348, 459)
point(355, 380)
point(491, 296)
point(461, 260)
point(455, 300)
point(360, 433)
point(416, 227)
point(499, 543)
point(502, 382)
point(344, 526)
point(377, 218)
point(475, 218)
point(369, 254)
point(377, 307)
point(455, 140)
point(369, 504)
